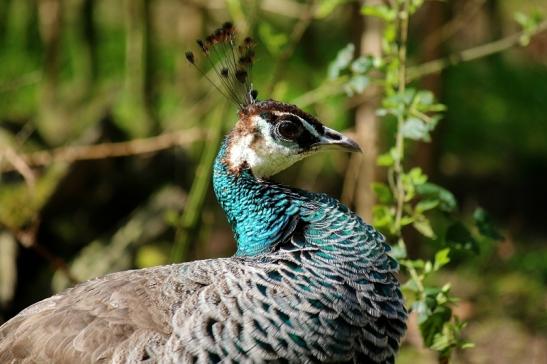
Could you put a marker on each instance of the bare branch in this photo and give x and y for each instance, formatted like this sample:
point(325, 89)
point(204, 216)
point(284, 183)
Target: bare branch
point(471, 54)
point(27, 238)
point(108, 150)
point(326, 89)
point(290, 9)
point(20, 165)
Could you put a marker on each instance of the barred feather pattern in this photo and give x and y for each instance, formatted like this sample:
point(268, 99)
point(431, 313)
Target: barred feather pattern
point(298, 304)
point(320, 288)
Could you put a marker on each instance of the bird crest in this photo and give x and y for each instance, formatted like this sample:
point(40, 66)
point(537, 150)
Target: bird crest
point(230, 61)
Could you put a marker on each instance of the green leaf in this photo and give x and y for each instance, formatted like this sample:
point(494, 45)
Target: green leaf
point(383, 12)
point(415, 5)
point(417, 176)
point(383, 192)
point(441, 342)
point(341, 62)
point(529, 24)
point(424, 102)
point(424, 97)
point(408, 96)
point(362, 64)
point(458, 235)
point(416, 263)
point(416, 129)
point(467, 345)
point(385, 160)
point(411, 180)
point(398, 251)
point(441, 259)
point(411, 286)
point(426, 205)
point(356, 85)
point(521, 18)
point(484, 224)
point(382, 216)
point(447, 201)
point(406, 220)
point(423, 225)
point(432, 324)
point(422, 311)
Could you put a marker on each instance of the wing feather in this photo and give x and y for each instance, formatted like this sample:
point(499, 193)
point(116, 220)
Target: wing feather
point(122, 315)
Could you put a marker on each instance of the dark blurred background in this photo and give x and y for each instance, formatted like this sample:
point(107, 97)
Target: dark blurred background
point(129, 130)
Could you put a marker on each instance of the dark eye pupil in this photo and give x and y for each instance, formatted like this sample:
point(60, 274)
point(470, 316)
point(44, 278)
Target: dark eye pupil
point(289, 129)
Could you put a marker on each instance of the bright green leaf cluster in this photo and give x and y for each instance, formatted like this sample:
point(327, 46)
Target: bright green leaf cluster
point(529, 24)
point(355, 69)
point(418, 110)
point(408, 200)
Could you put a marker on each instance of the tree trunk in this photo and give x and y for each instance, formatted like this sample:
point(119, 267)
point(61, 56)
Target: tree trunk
point(363, 171)
point(427, 154)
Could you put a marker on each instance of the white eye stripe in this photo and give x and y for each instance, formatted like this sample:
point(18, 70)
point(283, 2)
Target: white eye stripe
point(306, 124)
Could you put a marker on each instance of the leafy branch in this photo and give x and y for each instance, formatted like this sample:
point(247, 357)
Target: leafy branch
point(532, 27)
point(408, 200)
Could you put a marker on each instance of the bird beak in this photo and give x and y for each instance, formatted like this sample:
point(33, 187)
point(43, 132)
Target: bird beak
point(332, 139)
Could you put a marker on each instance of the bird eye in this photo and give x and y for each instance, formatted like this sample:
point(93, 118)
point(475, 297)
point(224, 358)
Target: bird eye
point(289, 129)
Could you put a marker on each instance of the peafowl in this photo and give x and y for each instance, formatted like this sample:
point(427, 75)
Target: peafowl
point(310, 281)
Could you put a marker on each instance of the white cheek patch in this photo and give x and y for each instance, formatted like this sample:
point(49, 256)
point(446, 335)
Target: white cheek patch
point(239, 150)
point(264, 156)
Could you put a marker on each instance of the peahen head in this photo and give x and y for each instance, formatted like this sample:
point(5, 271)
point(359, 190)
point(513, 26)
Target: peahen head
point(270, 136)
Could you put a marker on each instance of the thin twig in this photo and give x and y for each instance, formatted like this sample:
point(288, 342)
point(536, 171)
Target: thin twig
point(326, 89)
point(108, 150)
point(399, 144)
point(290, 9)
point(298, 31)
point(332, 88)
point(470, 9)
point(471, 54)
point(20, 165)
point(27, 238)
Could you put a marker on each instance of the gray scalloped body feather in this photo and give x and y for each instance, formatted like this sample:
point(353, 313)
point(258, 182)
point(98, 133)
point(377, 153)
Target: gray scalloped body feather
point(325, 292)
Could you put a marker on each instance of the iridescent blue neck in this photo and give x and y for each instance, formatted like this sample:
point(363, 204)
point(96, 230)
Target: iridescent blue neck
point(258, 212)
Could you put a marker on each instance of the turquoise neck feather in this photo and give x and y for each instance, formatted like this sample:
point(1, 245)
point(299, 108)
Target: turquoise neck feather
point(264, 214)
point(259, 214)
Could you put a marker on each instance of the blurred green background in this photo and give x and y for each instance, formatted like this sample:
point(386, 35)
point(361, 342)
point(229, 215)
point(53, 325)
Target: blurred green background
point(111, 75)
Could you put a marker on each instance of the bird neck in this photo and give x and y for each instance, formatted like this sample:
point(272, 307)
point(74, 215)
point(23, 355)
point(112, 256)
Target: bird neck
point(259, 213)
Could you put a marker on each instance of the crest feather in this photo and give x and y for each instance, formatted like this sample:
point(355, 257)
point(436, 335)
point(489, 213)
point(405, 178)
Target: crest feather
point(231, 62)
